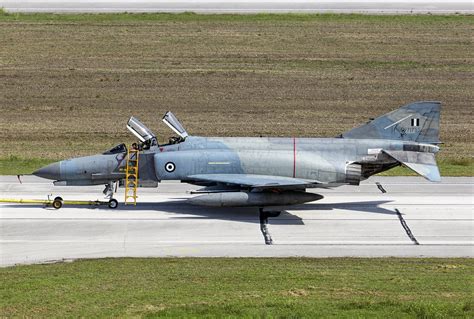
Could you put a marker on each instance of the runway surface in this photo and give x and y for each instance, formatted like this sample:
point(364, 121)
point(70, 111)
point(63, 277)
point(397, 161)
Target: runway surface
point(414, 218)
point(241, 6)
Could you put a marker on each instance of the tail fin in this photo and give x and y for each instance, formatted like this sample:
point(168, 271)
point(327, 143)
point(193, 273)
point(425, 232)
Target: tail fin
point(418, 122)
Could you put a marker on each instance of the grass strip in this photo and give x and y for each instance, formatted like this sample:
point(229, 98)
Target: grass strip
point(241, 287)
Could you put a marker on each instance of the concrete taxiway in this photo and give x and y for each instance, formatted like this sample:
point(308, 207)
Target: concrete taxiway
point(413, 218)
point(241, 6)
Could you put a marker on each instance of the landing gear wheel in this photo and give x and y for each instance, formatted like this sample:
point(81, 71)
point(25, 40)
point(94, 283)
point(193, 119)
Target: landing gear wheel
point(58, 198)
point(113, 203)
point(57, 204)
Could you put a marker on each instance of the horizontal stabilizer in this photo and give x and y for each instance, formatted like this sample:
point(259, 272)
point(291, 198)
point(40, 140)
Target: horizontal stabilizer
point(422, 163)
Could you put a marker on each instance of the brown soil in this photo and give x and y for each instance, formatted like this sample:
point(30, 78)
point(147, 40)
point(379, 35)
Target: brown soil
point(68, 89)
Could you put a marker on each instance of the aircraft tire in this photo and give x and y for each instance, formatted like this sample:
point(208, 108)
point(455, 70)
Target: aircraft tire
point(57, 204)
point(113, 203)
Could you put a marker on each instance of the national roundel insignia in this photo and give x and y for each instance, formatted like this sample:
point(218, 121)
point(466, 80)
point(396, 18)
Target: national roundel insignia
point(170, 167)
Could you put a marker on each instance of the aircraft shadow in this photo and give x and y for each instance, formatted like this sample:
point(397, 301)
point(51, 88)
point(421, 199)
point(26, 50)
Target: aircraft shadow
point(184, 210)
point(364, 207)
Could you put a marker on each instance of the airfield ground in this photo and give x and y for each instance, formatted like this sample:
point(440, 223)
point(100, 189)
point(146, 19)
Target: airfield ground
point(414, 218)
point(69, 83)
point(241, 288)
point(432, 220)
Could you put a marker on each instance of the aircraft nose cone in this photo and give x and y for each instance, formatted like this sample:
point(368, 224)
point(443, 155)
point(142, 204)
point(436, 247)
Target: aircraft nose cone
point(51, 171)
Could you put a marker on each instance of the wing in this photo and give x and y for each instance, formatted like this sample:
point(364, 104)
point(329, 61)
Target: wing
point(258, 182)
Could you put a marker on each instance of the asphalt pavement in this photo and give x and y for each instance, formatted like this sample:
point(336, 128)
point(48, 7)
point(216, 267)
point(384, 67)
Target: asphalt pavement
point(241, 6)
point(414, 218)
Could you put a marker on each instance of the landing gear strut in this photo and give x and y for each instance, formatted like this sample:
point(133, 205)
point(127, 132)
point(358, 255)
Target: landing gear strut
point(109, 193)
point(263, 224)
point(109, 190)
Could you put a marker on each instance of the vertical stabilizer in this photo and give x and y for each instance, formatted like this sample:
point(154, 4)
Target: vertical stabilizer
point(417, 122)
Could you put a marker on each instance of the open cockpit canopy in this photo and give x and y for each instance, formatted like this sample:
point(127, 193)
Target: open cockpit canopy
point(171, 120)
point(143, 133)
point(148, 138)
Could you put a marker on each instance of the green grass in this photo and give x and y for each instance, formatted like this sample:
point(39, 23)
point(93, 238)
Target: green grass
point(447, 167)
point(14, 165)
point(244, 287)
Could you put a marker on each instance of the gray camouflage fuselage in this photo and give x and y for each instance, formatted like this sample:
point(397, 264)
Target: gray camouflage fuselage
point(263, 166)
point(323, 159)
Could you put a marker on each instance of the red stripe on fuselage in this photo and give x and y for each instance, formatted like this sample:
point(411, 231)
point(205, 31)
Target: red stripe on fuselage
point(294, 156)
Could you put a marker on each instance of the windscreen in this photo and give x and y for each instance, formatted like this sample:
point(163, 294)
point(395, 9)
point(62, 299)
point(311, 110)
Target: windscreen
point(121, 148)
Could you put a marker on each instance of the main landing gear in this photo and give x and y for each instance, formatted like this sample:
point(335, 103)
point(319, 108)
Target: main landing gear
point(264, 215)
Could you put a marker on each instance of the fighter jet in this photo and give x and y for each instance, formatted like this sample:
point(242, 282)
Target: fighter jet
point(262, 172)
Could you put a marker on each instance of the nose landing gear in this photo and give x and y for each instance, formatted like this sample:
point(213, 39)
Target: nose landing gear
point(109, 193)
point(109, 190)
point(113, 203)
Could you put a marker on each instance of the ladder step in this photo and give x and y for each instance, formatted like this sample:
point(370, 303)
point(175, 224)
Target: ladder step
point(131, 176)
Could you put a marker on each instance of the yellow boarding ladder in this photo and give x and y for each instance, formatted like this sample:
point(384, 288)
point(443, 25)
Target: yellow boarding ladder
point(131, 176)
